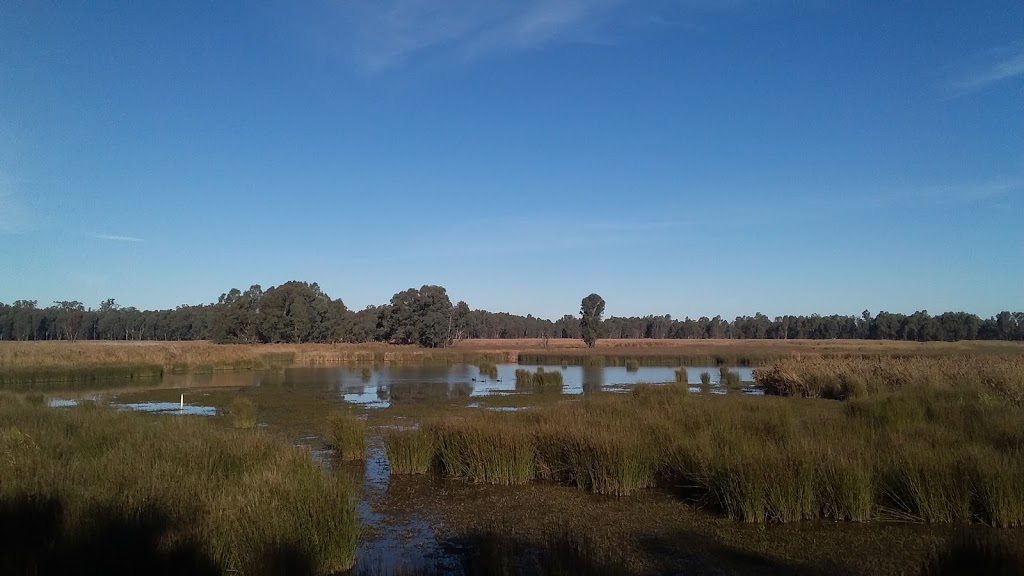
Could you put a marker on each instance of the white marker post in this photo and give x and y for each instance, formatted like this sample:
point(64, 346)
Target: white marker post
point(182, 407)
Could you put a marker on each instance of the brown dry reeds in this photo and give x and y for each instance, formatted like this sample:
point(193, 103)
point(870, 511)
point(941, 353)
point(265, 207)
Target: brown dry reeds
point(845, 378)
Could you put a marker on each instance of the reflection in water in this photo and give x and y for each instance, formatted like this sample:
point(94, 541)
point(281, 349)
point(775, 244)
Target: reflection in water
point(383, 385)
point(593, 379)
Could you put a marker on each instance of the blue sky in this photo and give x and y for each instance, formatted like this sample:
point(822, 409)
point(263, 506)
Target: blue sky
point(689, 157)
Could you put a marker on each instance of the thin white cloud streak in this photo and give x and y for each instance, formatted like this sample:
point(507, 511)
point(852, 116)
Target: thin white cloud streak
point(117, 238)
point(15, 216)
point(379, 35)
point(989, 73)
point(983, 192)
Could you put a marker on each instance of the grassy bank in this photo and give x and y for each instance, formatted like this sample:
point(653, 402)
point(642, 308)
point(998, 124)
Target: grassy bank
point(925, 454)
point(99, 491)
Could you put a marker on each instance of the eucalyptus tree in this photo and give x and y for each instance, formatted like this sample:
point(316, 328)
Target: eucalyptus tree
point(591, 310)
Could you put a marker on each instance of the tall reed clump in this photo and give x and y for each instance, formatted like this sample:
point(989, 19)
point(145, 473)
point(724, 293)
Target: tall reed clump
point(243, 413)
point(632, 365)
point(705, 379)
point(165, 494)
point(409, 451)
point(478, 450)
point(347, 435)
point(682, 376)
point(488, 369)
point(728, 378)
point(540, 380)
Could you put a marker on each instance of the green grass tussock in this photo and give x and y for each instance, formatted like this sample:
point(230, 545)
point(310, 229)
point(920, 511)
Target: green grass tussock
point(96, 485)
point(347, 436)
point(473, 449)
point(409, 451)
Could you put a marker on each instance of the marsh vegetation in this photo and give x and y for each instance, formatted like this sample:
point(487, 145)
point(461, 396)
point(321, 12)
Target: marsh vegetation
point(95, 490)
point(861, 441)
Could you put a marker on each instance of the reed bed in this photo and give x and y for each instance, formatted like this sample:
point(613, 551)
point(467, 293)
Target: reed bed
point(98, 490)
point(728, 378)
point(632, 365)
point(682, 376)
point(539, 380)
point(923, 454)
point(705, 379)
point(488, 370)
point(346, 434)
point(409, 451)
point(846, 378)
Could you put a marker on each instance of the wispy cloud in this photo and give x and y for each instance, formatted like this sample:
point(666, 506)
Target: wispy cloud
point(15, 215)
point(965, 193)
point(378, 35)
point(635, 225)
point(117, 238)
point(999, 66)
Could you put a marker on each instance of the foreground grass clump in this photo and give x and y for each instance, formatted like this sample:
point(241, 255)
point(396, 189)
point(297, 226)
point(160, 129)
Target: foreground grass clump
point(409, 451)
point(347, 435)
point(90, 490)
point(472, 448)
point(243, 413)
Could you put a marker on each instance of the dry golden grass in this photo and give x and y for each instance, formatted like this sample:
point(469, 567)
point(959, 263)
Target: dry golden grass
point(845, 378)
point(642, 346)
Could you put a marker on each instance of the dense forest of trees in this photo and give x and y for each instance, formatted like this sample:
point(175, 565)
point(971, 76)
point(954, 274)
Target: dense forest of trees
point(301, 312)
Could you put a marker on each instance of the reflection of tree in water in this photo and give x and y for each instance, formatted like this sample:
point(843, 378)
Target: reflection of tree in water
point(460, 390)
point(351, 388)
point(593, 379)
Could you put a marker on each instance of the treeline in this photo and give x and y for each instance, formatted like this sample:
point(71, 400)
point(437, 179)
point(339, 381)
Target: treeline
point(297, 312)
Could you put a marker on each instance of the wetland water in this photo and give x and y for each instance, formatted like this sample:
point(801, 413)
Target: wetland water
point(426, 522)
